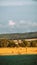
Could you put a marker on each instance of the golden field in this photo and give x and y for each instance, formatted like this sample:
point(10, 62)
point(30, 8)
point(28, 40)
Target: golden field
point(18, 51)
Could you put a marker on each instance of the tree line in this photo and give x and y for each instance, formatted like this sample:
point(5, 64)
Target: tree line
point(11, 43)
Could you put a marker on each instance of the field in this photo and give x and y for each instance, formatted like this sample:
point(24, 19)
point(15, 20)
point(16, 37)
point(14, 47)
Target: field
point(18, 55)
point(18, 60)
point(18, 51)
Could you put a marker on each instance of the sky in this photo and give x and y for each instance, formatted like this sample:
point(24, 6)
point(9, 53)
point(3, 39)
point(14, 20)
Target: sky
point(18, 16)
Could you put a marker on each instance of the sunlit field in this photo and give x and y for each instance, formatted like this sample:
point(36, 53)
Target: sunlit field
point(18, 51)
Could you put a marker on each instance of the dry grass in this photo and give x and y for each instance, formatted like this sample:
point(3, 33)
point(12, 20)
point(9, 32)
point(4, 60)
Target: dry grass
point(16, 51)
point(31, 39)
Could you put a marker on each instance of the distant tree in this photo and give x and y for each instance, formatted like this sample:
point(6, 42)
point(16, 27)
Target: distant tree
point(34, 43)
point(22, 44)
point(11, 44)
point(3, 43)
point(0, 43)
point(25, 43)
point(28, 44)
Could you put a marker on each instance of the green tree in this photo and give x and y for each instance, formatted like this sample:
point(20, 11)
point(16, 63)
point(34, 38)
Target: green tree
point(34, 43)
point(11, 44)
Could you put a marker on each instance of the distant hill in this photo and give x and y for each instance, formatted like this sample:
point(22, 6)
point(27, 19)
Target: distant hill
point(19, 35)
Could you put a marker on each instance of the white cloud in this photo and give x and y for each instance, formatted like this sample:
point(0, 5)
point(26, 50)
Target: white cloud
point(16, 3)
point(28, 23)
point(1, 25)
point(11, 23)
point(17, 26)
point(22, 22)
point(34, 24)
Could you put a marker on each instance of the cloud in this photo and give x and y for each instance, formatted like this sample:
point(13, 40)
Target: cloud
point(34, 24)
point(16, 3)
point(22, 24)
point(19, 26)
point(11, 23)
point(27, 23)
point(1, 25)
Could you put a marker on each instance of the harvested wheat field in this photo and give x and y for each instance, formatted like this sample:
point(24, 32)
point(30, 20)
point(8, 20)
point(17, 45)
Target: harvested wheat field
point(18, 51)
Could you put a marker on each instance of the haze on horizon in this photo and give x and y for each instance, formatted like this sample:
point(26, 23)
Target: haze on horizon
point(18, 16)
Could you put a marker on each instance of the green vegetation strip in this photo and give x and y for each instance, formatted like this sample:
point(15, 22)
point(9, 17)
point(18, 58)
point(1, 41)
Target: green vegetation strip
point(18, 60)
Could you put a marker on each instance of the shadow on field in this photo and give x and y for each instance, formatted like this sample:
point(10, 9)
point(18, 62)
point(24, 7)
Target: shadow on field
point(18, 60)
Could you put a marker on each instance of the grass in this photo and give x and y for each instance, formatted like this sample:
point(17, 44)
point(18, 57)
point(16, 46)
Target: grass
point(18, 60)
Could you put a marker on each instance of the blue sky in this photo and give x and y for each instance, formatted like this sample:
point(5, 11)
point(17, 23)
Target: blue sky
point(18, 16)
